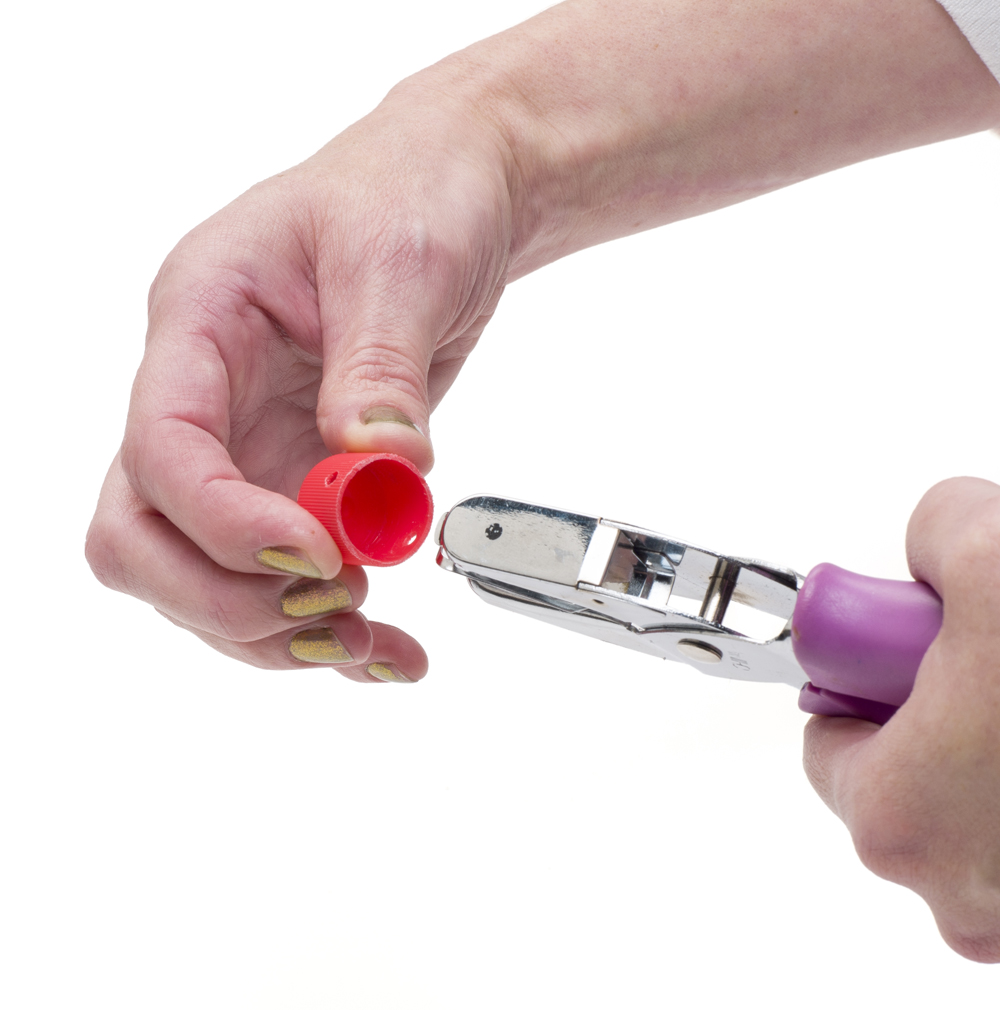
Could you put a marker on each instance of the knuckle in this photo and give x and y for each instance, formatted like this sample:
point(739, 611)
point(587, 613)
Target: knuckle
point(967, 906)
point(892, 838)
point(401, 250)
point(398, 244)
point(405, 252)
point(100, 554)
point(256, 654)
point(110, 544)
point(980, 535)
point(969, 921)
point(956, 524)
point(268, 654)
point(133, 454)
point(982, 945)
point(226, 611)
point(973, 556)
point(106, 557)
point(385, 365)
point(226, 618)
point(894, 855)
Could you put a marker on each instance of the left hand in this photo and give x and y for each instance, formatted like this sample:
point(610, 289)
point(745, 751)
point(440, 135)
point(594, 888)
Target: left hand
point(327, 309)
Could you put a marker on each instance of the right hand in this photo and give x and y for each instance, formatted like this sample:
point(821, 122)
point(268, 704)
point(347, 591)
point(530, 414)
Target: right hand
point(921, 794)
point(327, 309)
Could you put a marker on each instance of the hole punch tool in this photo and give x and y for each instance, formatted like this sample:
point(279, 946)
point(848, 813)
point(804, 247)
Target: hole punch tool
point(851, 644)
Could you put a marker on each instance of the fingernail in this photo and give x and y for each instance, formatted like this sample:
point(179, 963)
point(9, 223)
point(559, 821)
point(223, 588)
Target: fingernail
point(386, 415)
point(319, 645)
point(387, 672)
point(303, 599)
point(282, 560)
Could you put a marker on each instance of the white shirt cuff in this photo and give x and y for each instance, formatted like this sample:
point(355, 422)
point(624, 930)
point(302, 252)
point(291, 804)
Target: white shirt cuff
point(979, 22)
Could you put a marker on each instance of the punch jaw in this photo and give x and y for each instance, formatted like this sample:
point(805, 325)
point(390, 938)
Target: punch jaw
point(625, 585)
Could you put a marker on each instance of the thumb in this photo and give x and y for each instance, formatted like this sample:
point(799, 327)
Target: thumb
point(420, 288)
point(373, 397)
point(950, 545)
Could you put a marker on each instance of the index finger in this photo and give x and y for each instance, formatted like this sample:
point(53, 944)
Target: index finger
point(199, 366)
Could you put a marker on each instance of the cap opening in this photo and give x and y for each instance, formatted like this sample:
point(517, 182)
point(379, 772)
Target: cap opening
point(384, 510)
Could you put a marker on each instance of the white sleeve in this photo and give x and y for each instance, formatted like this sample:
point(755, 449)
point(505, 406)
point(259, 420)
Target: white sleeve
point(979, 21)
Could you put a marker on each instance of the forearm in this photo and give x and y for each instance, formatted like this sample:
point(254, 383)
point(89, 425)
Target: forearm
point(617, 117)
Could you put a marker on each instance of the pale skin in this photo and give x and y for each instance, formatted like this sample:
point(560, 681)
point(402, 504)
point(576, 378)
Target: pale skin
point(331, 307)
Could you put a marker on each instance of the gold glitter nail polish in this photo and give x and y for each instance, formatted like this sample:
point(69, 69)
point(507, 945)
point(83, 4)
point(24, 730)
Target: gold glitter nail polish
point(319, 645)
point(386, 672)
point(303, 599)
point(282, 560)
point(385, 415)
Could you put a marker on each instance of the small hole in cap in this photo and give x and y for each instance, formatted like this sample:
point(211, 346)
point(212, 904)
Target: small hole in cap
point(330, 478)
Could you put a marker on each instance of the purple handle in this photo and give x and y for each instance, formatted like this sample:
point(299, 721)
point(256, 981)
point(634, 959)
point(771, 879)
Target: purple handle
point(861, 640)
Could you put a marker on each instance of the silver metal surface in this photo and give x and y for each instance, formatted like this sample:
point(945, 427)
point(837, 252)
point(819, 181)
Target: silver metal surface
point(626, 585)
point(513, 536)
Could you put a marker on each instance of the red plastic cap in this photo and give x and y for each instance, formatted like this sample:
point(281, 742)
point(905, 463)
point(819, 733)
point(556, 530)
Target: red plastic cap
point(375, 505)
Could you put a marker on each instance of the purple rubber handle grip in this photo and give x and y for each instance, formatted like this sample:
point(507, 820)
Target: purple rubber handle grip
point(861, 640)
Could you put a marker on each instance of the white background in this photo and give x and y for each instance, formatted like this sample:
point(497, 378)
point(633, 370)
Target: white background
point(546, 821)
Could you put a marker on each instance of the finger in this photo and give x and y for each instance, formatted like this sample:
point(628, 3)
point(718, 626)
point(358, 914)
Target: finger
point(954, 533)
point(430, 278)
point(953, 543)
point(830, 756)
point(970, 924)
point(336, 640)
point(913, 825)
point(136, 550)
point(374, 396)
point(175, 453)
point(395, 658)
point(363, 652)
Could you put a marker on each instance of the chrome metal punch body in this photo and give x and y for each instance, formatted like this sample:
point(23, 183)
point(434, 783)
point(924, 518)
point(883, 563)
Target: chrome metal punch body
point(632, 587)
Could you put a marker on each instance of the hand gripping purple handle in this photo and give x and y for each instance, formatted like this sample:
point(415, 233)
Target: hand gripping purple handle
point(861, 640)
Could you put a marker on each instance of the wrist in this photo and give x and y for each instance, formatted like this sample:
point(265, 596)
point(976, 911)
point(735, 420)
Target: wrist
point(609, 118)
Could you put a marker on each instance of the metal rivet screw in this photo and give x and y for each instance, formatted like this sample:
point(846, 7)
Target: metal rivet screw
point(700, 652)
